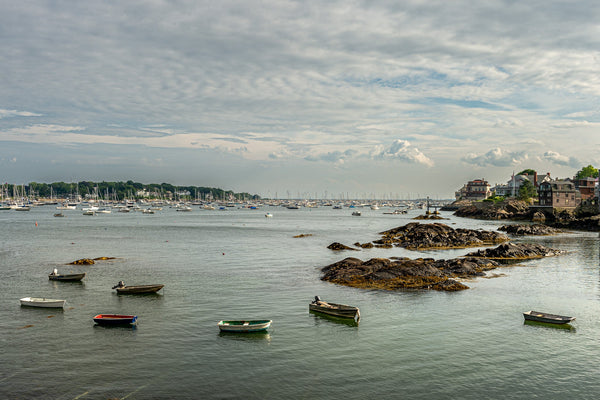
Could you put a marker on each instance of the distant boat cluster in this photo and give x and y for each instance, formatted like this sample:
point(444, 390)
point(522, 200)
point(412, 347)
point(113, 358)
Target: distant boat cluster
point(144, 206)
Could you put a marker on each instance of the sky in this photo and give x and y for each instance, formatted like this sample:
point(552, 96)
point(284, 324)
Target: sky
point(286, 99)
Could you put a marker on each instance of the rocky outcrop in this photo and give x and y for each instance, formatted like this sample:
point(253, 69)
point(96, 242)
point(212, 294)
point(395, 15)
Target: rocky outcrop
point(534, 230)
point(564, 220)
point(516, 252)
point(429, 216)
point(404, 273)
point(416, 236)
point(338, 246)
point(508, 209)
point(456, 205)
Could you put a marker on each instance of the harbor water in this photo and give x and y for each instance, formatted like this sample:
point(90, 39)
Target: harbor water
point(237, 264)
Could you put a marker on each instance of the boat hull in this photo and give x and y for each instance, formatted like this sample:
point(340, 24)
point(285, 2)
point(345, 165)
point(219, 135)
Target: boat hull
point(537, 316)
point(42, 302)
point(115, 319)
point(244, 326)
point(67, 277)
point(139, 289)
point(336, 310)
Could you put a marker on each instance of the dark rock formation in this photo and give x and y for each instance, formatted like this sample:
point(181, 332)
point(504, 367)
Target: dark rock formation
point(515, 252)
point(508, 209)
point(456, 205)
point(338, 246)
point(429, 216)
point(535, 230)
point(416, 236)
point(404, 273)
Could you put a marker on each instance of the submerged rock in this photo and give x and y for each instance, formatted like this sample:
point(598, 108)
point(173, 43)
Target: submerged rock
point(338, 246)
point(83, 261)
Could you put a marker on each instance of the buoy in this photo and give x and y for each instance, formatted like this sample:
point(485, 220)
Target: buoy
point(223, 253)
point(35, 223)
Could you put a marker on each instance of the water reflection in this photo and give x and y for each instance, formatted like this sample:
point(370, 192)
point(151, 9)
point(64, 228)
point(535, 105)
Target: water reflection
point(566, 327)
point(61, 284)
point(246, 336)
point(318, 318)
point(116, 327)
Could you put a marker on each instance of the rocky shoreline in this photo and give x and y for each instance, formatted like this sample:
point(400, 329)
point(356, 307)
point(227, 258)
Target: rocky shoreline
point(584, 218)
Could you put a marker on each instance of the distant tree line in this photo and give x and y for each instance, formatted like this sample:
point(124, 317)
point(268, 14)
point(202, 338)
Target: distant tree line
point(122, 190)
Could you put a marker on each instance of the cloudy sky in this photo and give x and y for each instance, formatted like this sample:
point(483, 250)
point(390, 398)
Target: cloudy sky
point(285, 98)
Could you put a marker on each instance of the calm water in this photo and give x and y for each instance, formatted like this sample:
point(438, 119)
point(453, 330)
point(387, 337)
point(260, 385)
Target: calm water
point(237, 264)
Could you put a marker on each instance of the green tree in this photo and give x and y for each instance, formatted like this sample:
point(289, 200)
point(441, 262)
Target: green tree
point(587, 172)
point(529, 172)
point(526, 191)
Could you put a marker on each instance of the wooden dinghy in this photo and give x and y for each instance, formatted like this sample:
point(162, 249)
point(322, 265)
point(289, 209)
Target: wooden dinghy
point(336, 310)
point(137, 289)
point(242, 326)
point(547, 318)
point(55, 276)
point(115, 319)
point(42, 302)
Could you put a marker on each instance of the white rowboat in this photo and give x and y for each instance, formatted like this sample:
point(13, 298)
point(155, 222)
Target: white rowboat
point(42, 302)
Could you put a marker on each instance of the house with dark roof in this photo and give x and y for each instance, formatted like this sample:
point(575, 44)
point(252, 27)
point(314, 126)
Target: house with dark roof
point(558, 194)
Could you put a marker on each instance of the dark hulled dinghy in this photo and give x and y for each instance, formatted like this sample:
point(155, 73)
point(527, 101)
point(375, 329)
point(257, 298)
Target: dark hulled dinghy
point(137, 289)
point(336, 310)
point(537, 316)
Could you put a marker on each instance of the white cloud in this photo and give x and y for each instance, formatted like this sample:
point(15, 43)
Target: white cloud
point(559, 159)
point(496, 157)
point(333, 156)
point(15, 113)
point(404, 151)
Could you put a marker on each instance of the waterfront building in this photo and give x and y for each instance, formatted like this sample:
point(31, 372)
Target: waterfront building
point(558, 194)
point(478, 189)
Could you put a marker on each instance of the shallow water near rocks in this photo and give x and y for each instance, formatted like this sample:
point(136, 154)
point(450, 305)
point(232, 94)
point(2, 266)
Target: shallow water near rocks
point(237, 264)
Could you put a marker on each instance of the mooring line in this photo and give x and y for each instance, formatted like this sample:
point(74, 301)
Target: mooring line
point(135, 391)
point(81, 395)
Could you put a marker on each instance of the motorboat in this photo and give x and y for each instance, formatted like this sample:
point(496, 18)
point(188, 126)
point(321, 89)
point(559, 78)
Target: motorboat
point(137, 289)
point(336, 310)
point(55, 276)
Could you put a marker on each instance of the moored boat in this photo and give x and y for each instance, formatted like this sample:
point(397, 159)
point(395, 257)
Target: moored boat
point(337, 310)
point(357, 213)
point(547, 318)
point(137, 289)
point(55, 276)
point(244, 326)
point(42, 302)
point(115, 319)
